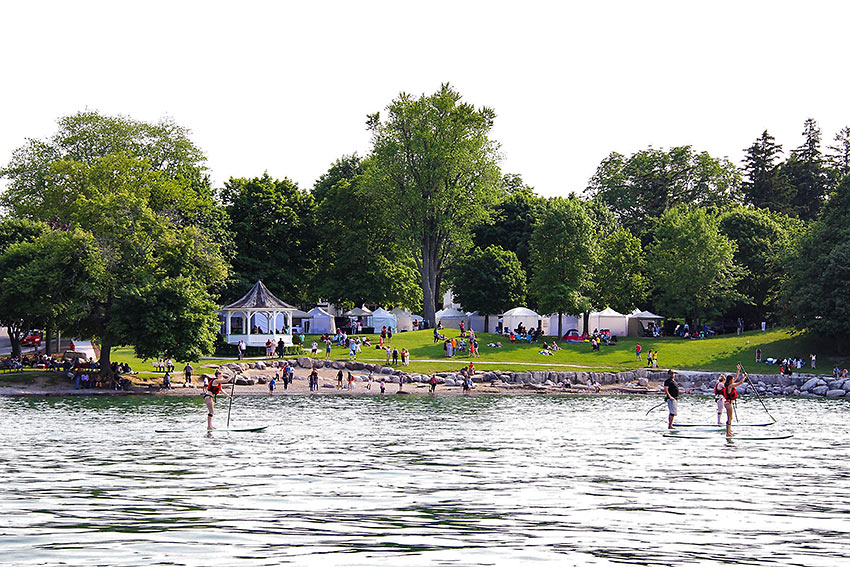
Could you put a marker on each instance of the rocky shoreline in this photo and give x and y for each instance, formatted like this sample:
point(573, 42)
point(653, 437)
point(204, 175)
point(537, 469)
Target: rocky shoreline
point(803, 385)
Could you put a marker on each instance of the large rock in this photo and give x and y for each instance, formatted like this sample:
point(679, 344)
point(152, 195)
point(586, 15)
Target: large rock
point(386, 370)
point(820, 390)
point(304, 362)
point(837, 384)
point(262, 380)
point(337, 365)
point(354, 365)
point(811, 383)
point(449, 381)
point(260, 365)
point(835, 393)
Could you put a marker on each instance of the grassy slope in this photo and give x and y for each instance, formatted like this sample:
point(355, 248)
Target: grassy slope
point(719, 353)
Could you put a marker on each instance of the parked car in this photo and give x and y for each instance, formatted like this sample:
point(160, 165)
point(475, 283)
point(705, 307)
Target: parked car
point(33, 338)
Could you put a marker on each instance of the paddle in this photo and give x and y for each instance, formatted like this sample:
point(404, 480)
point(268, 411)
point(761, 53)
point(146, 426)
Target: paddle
point(658, 406)
point(747, 376)
point(232, 390)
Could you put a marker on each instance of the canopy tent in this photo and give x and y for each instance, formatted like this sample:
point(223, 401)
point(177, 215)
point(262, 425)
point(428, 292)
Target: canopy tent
point(361, 314)
point(404, 320)
point(383, 318)
point(451, 318)
point(513, 317)
point(642, 322)
point(320, 321)
point(476, 322)
point(609, 319)
point(550, 324)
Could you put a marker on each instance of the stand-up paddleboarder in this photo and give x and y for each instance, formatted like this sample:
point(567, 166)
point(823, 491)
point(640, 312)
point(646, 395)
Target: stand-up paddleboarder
point(671, 390)
point(211, 391)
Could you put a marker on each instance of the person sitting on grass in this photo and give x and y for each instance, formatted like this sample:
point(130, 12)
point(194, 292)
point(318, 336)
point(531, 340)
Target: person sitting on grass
point(513, 337)
point(546, 352)
point(555, 345)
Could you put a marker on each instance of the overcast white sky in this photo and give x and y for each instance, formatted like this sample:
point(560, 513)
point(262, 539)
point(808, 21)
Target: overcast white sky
point(285, 87)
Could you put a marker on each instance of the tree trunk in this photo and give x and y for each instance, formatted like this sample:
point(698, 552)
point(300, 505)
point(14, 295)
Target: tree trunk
point(438, 280)
point(105, 362)
point(48, 338)
point(560, 327)
point(427, 292)
point(586, 320)
point(486, 323)
point(15, 336)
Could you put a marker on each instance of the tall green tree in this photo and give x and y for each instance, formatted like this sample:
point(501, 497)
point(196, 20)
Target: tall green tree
point(839, 155)
point(359, 258)
point(513, 220)
point(641, 187)
point(764, 184)
point(816, 291)
point(435, 176)
point(807, 174)
point(619, 275)
point(273, 226)
point(165, 146)
point(48, 282)
point(562, 246)
point(489, 281)
point(761, 239)
point(692, 265)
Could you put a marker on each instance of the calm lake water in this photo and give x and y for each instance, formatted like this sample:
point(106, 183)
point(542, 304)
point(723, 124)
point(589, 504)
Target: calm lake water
point(414, 480)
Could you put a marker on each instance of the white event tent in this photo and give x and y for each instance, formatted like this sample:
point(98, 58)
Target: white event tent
point(639, 321)
point(451, 318)
point(476, 322)
point(320, 321)
point(404, 319)
point(513, 317)
point(609, 319)
point(383, 318)
point(550, 324)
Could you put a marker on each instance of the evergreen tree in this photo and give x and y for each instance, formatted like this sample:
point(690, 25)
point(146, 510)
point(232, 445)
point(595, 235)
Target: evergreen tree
point(764, 186)
point(807, 174)
point(839, 155)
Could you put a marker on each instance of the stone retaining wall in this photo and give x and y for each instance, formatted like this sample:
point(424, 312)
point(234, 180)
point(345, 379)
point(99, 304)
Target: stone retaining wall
point(807, 385)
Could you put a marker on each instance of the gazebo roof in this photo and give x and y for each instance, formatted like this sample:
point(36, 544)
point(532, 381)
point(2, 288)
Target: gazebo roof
point(259, 298)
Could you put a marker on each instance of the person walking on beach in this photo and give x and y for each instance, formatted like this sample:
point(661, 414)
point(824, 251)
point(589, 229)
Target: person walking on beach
point(369, 381)
point(212, 390)
point(314, 380)
point(271, 385)
point(383, 386)
point(350, 381)
point(339, 380)
point(671, 390)
point(730, 392)
point(187, 372)
point(433, 382)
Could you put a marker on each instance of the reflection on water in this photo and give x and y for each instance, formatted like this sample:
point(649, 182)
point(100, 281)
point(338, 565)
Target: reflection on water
point(415, 480)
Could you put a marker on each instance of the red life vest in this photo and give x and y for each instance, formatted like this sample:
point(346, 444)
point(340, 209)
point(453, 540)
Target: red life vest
point(730, 395)
point(215, 389)
point(719, 388)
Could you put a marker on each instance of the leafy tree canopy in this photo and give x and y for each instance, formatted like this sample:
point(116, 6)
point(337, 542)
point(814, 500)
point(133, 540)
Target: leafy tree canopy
point(435, 176)
point(489, 281)
point(692, 265)
point(619, 276)
point(562, 251)
point(640, 188)
point(359, 258)
point(273, 225)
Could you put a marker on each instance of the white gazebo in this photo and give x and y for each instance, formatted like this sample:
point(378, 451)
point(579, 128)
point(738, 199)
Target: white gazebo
point(257, 317)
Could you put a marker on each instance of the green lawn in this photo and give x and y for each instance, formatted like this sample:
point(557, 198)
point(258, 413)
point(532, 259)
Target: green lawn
point(715, 354)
